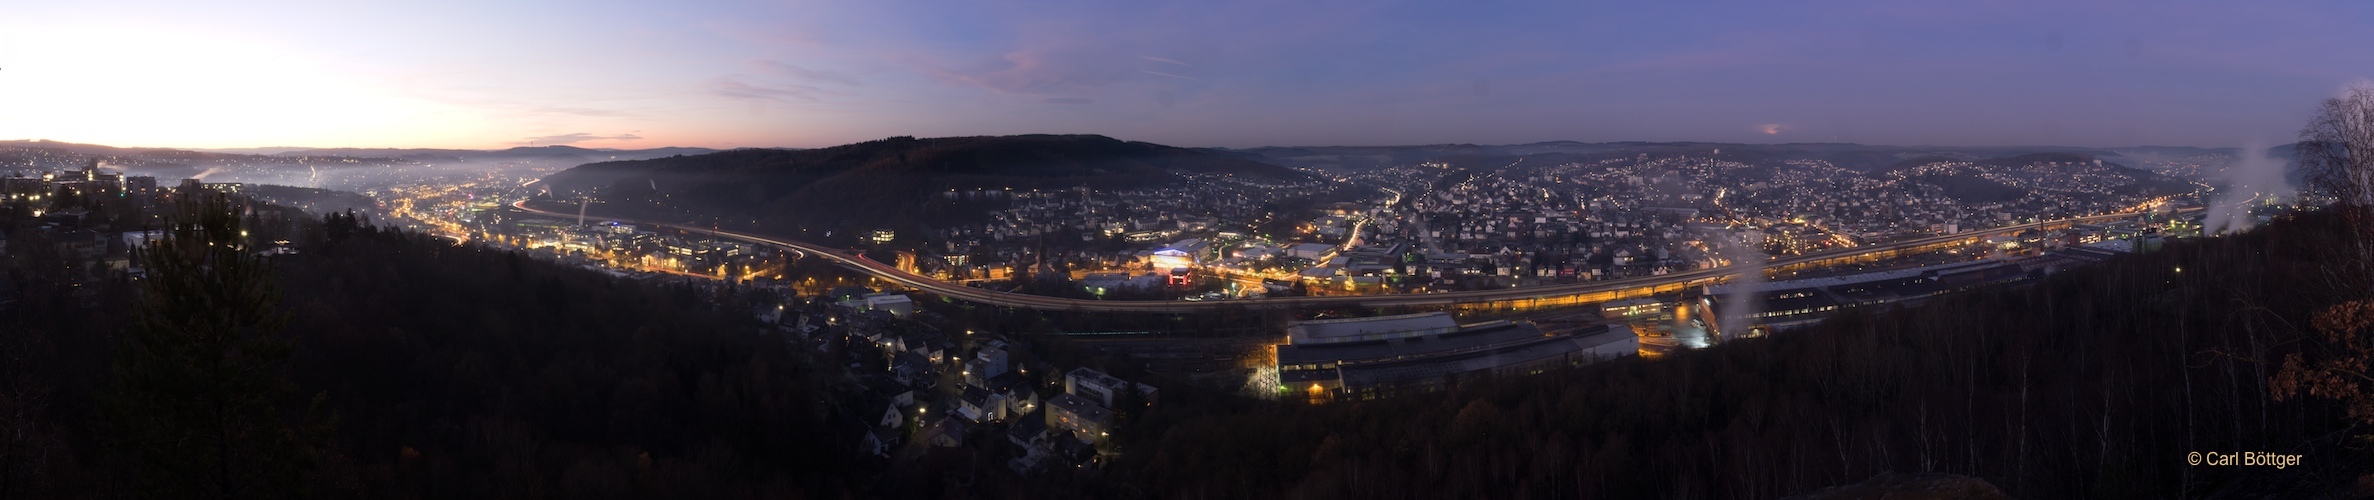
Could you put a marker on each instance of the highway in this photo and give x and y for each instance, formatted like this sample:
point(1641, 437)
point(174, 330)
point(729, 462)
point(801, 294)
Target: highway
point(1565, 294)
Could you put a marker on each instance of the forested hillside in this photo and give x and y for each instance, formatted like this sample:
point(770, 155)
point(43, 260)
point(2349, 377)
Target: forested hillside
point(443, 372)
point(462, 371)
point(890, 181)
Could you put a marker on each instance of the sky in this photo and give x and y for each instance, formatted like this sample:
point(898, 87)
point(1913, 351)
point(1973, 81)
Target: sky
point(1226, 73)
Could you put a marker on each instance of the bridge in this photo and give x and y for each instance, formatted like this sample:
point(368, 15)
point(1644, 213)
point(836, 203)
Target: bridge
point(1521, 298)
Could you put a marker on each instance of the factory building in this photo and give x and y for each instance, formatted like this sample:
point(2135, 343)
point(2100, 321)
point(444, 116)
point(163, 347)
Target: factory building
point(1371, 358)
point(1784, 303)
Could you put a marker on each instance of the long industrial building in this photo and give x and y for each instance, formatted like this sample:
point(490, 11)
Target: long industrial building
point(1804, 300)
point(1370, 358)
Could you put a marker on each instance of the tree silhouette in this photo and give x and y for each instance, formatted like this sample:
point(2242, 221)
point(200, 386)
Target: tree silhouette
point(2344, 371)
point(195, 411)
point(340, 226)
point(2336, 152)
point(2336, 155)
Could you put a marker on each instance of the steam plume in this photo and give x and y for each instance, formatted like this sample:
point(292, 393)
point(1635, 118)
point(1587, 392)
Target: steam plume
point(1746, 290)
point(2250, 178)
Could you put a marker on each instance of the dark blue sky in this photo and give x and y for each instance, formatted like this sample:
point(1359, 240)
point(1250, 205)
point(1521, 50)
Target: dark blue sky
point(1192, 73)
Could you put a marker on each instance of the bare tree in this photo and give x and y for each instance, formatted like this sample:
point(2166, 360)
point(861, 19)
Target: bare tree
point(2336, 154)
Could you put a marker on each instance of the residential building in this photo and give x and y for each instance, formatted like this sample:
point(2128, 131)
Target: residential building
point(1105, 390)
point(979, 405)
point(1086, 420)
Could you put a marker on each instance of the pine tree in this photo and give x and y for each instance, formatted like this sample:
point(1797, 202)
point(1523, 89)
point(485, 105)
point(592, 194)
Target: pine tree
point(340, 226)
point(196, 407)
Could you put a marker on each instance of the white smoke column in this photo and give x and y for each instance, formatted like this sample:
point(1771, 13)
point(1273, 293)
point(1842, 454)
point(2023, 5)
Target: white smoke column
point(209, 171)
point(1746, 290)
point(2250, 178)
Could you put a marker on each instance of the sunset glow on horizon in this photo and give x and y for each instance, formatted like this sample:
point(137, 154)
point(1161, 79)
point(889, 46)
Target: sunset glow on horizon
point(1236, 74)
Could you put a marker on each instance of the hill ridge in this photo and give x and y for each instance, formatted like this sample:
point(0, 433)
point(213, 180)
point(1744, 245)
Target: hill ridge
point(881, 181)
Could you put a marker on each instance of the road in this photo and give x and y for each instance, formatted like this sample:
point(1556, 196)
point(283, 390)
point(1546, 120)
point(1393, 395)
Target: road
point(1566, 294)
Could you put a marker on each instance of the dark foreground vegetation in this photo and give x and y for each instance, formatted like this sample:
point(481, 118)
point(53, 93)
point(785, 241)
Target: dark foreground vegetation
point(2092, 383)
point(404, 367)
